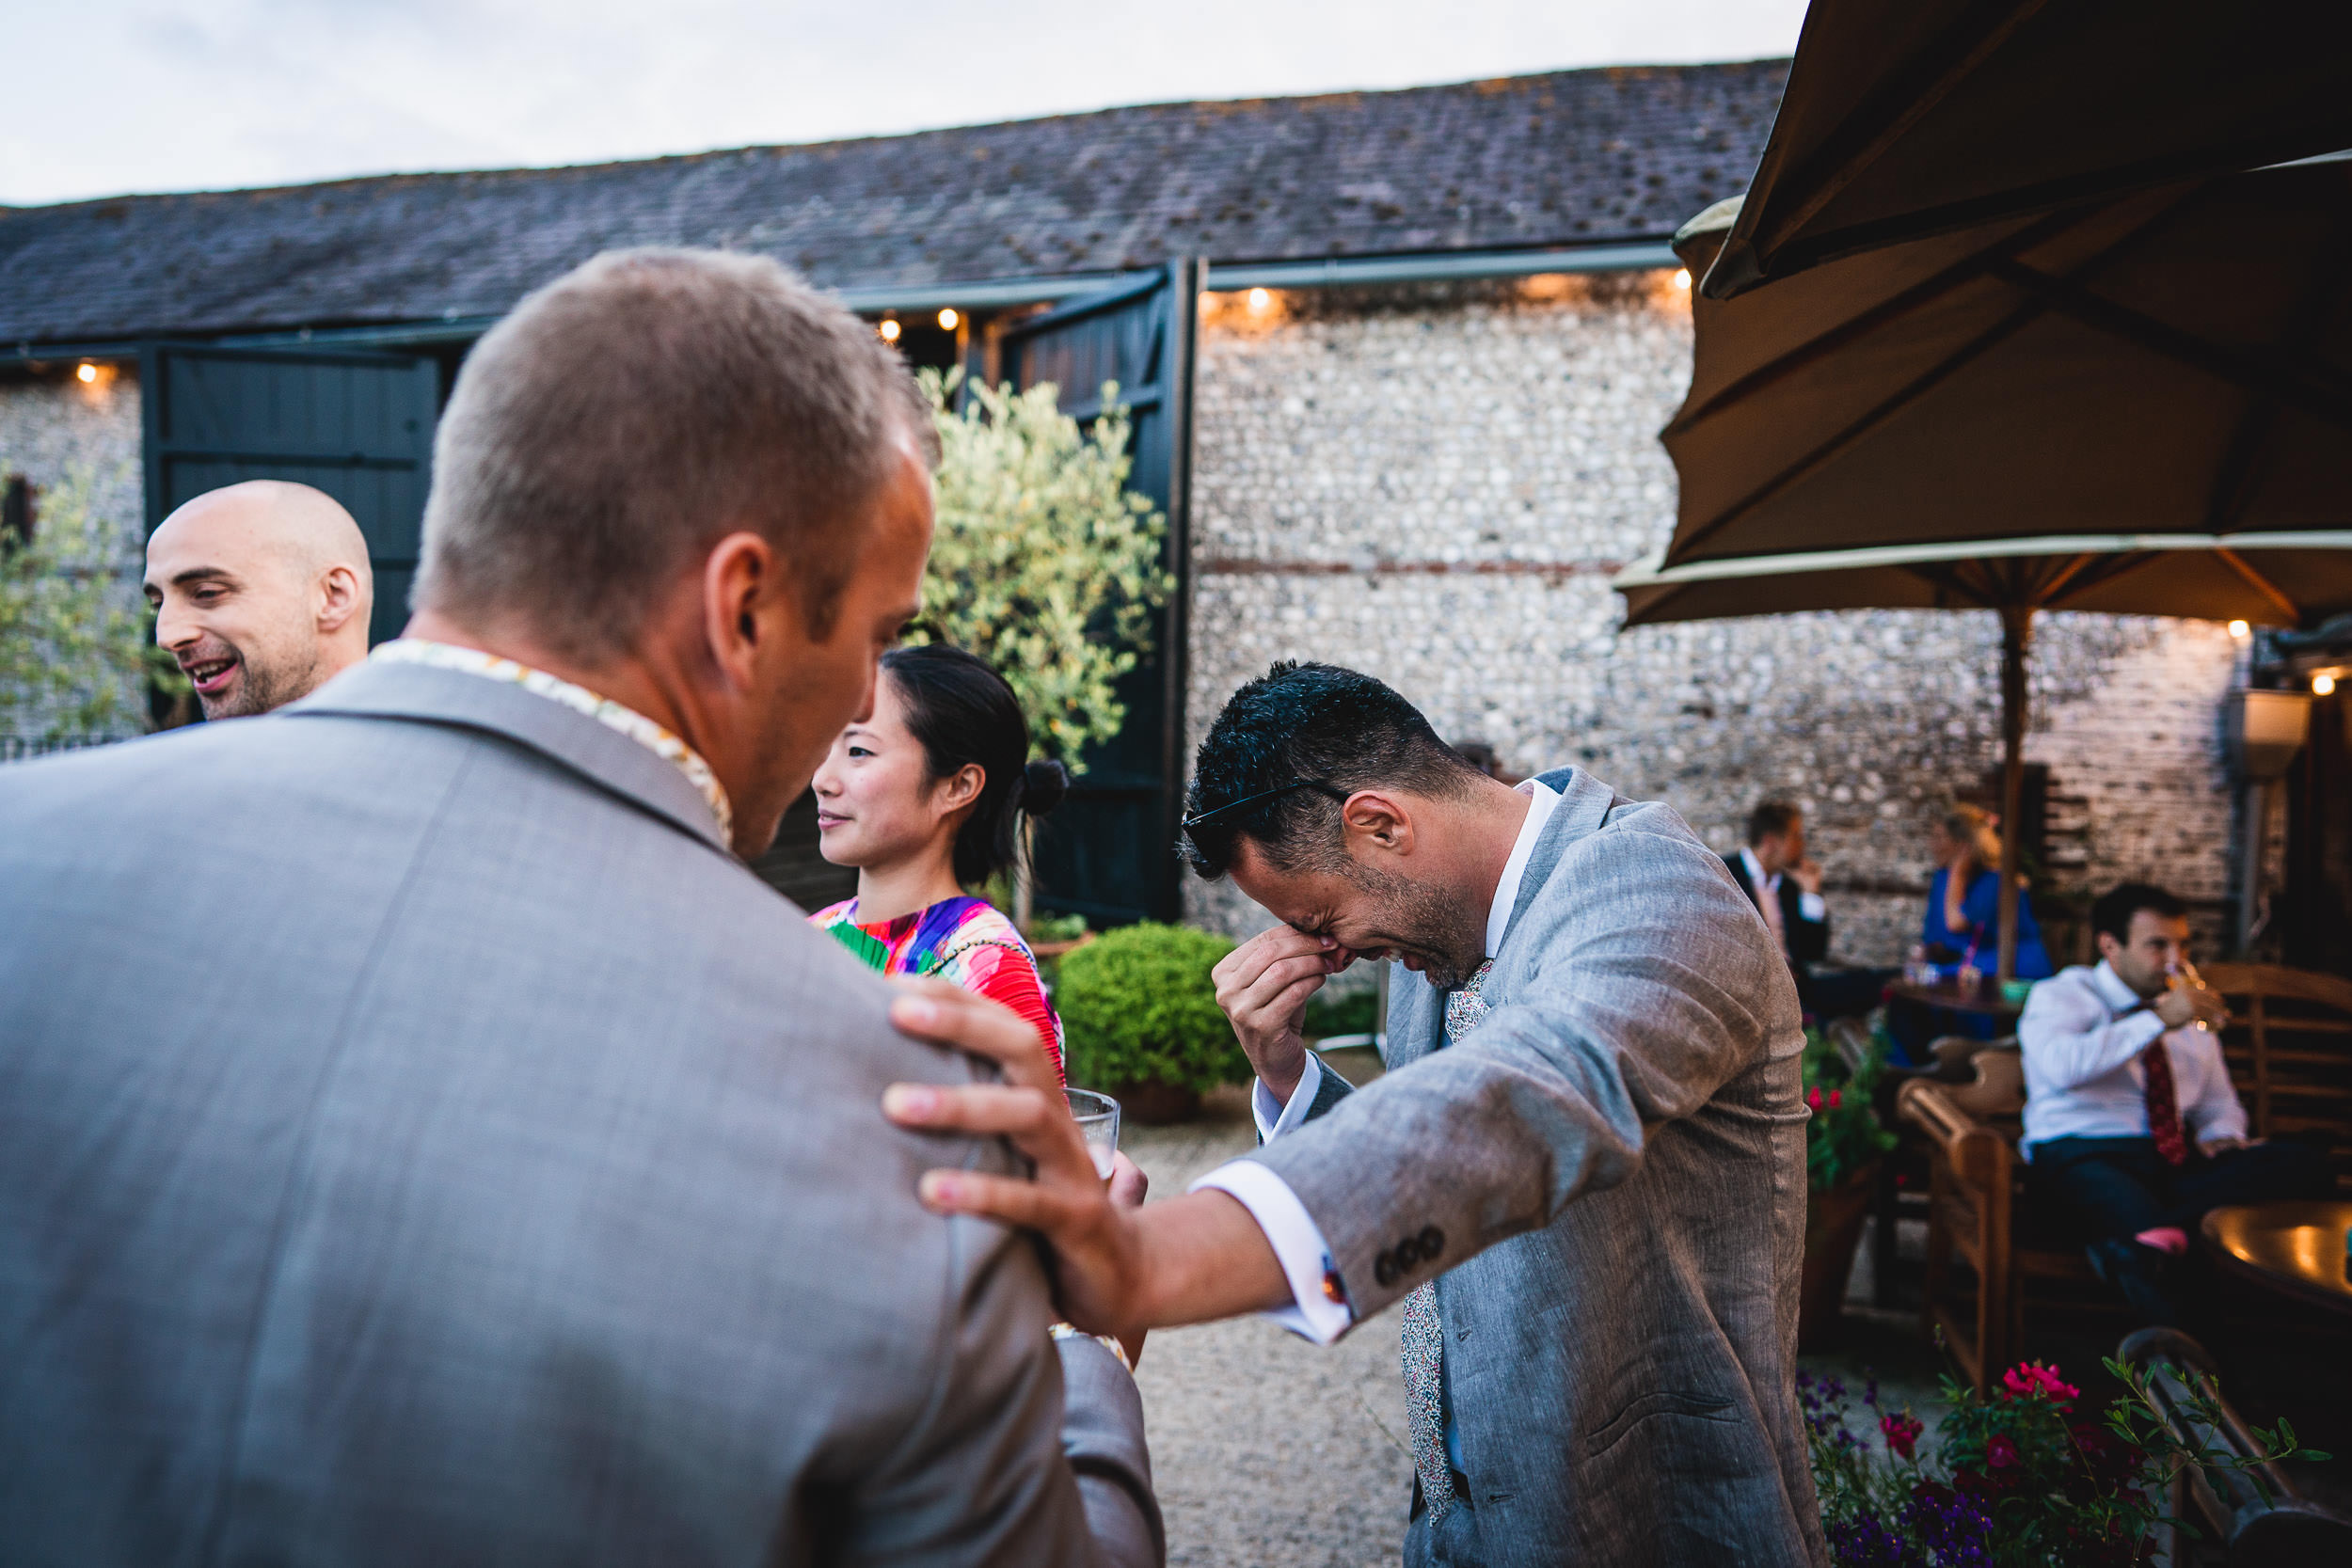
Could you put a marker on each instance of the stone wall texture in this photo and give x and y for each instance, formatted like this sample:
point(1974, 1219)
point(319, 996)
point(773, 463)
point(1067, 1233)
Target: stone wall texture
point(57, 431)
point(1436, 483)
point(53, 427)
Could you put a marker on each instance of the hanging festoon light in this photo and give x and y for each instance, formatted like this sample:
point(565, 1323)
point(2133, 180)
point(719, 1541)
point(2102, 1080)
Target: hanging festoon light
point(2239, 630)
point(947, 319)
point(1260, 302)
point(889, 329)
point(86, 375)
point(2323, 686)
point(1682, 277)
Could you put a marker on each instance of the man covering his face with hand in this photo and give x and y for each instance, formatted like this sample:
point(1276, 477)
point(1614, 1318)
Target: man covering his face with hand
point(262, 592)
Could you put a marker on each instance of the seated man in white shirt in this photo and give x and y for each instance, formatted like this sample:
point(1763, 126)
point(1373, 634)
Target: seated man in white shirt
point(2131, 1125)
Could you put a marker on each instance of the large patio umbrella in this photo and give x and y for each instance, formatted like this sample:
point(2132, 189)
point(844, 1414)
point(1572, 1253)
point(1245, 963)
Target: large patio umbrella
point(1905, 120)
point(2266, 579)
point(2136, 407)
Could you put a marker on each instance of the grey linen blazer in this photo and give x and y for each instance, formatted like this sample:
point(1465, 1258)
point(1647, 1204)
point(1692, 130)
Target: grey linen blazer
point(422, 1141)
point(1611, 1172)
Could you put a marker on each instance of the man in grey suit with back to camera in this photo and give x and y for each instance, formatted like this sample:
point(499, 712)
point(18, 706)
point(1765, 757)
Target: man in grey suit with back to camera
point(1583, 1174)
point(465, 1159)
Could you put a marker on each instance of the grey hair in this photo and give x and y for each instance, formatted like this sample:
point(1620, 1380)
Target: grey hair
point(628, 415)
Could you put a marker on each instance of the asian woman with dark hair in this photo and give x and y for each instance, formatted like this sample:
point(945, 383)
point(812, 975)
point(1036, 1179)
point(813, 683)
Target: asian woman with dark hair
point(925, 797)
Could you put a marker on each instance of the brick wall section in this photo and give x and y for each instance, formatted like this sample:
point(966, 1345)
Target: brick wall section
point(1436, 483)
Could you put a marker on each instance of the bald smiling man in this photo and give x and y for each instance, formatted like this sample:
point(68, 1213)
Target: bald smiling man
point(262, 592)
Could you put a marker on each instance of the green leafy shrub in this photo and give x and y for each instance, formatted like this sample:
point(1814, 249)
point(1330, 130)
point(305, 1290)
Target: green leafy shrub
point(1352, 1012)
point(1138, 1006)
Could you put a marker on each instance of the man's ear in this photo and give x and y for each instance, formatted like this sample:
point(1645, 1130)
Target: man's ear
point(743, 604)
point(339, 598)
point(1378, 822)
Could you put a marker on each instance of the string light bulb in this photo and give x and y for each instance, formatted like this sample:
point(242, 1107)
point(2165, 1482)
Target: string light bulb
point(2239, 630)
point(1682, 277)
point(1260, 302)
point(889, 330)
point(86, 375)
point(947, 320)
point(2323, 686)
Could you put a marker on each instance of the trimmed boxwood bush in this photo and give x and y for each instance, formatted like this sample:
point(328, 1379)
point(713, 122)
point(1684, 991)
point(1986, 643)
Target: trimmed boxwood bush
point(1138, 1006)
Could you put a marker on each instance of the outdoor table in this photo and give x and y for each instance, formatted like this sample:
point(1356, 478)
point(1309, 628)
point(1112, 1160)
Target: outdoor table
point(2294, 1248)
point(1985, 998)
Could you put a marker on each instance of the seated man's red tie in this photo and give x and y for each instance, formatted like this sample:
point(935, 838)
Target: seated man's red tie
point(2164, 1110)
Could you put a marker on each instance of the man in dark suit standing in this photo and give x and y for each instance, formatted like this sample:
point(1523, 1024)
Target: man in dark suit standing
point(1786, 888)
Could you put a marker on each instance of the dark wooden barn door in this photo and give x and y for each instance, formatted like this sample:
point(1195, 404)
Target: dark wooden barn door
point(1109, 852)
point(357, 425)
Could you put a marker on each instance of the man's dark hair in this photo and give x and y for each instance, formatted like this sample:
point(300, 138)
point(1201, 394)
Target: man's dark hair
point(1772, 817)
point(1326, 730)
point(2112, 914)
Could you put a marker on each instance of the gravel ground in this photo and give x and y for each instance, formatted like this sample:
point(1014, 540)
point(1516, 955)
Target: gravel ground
point(1266, 1449)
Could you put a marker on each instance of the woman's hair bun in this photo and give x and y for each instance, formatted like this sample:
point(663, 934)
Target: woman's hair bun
point(1042, 785)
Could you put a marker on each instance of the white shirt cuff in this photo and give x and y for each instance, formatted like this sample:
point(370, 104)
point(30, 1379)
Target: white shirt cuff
point(1812, 906)
point(1274, 1120)
point(1298, 1246)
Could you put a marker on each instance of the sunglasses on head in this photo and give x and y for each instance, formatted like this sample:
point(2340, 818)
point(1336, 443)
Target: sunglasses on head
point(1320, 787)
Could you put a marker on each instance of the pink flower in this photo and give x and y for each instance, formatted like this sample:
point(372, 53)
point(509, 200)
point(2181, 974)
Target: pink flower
point(1834, 1095)
point(1901, 1433)
point(2032, 1377)
point(2000, 1452)
point(1813, 1097)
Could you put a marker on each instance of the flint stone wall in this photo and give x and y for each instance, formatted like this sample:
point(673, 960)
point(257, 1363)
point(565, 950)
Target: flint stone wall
point(1436, 483)
point(57, 431)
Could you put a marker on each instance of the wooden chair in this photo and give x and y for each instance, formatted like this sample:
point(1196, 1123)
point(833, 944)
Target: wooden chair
point(2289, 1046)
point(1902, 1191)
point(1975, 1214)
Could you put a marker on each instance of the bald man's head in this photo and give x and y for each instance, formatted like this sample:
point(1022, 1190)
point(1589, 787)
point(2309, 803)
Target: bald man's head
point(262, 591)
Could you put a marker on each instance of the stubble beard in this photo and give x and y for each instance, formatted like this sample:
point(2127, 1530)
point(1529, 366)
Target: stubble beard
point(1429, 924)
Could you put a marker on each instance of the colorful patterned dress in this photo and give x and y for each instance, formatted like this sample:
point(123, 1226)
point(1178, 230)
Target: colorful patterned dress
point(964, 940)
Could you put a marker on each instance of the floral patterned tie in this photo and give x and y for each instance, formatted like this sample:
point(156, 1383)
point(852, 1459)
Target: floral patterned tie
point(1422, 1332)
point(2164, 1106)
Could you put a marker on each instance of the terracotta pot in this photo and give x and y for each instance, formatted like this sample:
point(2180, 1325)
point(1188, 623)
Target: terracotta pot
point(1832, 1229)
point(1154, 1103)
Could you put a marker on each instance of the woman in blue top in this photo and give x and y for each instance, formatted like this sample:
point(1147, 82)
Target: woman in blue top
point(1964, 899)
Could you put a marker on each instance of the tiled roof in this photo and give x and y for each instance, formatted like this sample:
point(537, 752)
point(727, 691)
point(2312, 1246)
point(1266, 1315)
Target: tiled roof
point(1571, 158)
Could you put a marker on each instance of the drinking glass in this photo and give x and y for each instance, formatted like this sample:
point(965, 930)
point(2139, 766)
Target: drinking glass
point(1096, 1116)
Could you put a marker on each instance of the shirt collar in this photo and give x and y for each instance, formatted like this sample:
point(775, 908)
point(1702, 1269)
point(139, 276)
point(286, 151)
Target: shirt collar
point(1542, 798)
point(1755, 871)
point(604, 710)
point(2119, 997)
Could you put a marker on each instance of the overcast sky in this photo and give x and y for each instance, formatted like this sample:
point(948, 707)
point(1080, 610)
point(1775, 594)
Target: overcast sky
point(110, 96)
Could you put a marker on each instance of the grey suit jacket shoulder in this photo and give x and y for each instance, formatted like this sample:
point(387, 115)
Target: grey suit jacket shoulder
point(421, 1141)
point(1612, 1167)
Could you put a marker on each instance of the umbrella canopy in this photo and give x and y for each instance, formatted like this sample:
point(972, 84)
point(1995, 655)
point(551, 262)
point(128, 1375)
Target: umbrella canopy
point(2179, 361)
point(2275, 580)
point(2280, 579)
point(1911, 119)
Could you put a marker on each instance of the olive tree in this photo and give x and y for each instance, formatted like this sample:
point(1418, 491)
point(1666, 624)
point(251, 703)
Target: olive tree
point(1043, 562)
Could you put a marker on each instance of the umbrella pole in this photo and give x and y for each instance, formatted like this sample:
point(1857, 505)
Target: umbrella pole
point(2016, 638)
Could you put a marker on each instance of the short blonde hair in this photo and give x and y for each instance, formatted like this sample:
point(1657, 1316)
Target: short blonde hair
point(634, 412)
